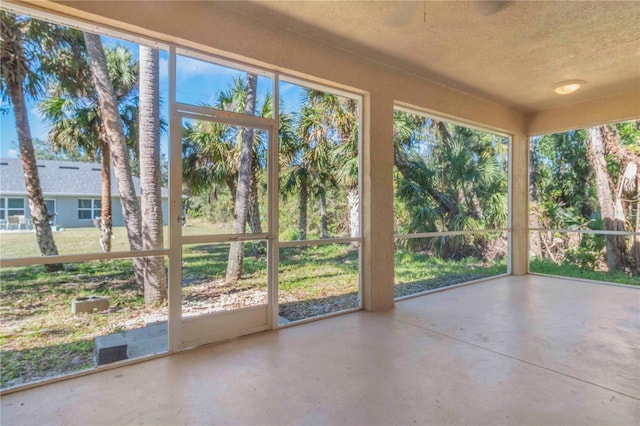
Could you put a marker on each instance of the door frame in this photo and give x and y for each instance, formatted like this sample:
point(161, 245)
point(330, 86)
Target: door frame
point(208, 328)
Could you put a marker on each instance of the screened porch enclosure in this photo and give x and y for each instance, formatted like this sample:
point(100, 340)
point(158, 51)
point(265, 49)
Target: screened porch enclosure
point(373, 223)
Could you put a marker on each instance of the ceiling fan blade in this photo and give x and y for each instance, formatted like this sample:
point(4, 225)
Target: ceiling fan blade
point(490, 7)
point(403, 13)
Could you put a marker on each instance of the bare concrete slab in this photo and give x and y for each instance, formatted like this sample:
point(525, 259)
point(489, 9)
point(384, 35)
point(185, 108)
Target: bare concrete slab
point(515, 350)
point(149, 340)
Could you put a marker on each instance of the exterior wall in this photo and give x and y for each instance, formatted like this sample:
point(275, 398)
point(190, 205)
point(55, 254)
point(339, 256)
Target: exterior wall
point(67, 211)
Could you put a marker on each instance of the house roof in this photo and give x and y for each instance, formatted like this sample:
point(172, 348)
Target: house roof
point(60, 178)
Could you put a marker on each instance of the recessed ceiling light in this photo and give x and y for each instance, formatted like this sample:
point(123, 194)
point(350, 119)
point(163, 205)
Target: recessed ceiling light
point(566, 87)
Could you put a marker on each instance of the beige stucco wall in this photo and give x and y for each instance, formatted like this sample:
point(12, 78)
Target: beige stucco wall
point(619, 107)
point(210, 27)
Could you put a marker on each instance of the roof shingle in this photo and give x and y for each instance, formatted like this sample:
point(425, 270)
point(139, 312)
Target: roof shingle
point(60, 178)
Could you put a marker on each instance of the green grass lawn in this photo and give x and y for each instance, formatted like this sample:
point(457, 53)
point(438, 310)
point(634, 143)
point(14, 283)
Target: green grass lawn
point(87, 240)
point(419, 272)
point(547, 266)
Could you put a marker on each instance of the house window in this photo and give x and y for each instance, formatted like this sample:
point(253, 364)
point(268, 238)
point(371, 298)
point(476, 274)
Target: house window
point(51, 210)
point(88, 209)
point(11, 207)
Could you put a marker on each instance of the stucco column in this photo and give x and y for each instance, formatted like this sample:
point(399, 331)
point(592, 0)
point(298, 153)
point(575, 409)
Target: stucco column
point(520, 204)
point(377, 163)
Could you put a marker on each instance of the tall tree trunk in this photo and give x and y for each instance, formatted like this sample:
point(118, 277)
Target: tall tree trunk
point(155, 282)
point(323, 215)
point(635, 247)
point(615, 243)
point(254, 211)
point(353, 200)
point(303, 202)
point(106, 222)
point(37, 206)
point(119, 150)
point(254, 205)
point(241, 207)
point(535, 243)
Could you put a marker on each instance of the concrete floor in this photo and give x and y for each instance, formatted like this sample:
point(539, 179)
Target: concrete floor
point(516, 350)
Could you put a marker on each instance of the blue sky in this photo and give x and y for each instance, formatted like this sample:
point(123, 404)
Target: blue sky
point(197, 82)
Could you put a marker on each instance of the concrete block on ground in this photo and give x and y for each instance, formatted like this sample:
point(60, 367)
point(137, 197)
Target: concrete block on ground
point(89, 304)
point(110, 348)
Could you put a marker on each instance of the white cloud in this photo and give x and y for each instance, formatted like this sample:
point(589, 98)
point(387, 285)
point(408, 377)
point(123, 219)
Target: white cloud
point(12, 153)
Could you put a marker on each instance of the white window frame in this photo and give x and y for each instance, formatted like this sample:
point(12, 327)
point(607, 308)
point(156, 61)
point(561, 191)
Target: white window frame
point(530, 230)
point(6, 209)
point(410, 109)
point(93, 209)
point(172, 251)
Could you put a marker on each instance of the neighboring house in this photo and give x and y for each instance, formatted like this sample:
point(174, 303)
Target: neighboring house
point(72, 192)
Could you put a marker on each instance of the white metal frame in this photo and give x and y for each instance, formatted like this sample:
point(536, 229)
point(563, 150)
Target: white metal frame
point(326, 241)
point(577, 231)
point(173, 250)
point(180, 111)
point(205, 328)
point(403, 107)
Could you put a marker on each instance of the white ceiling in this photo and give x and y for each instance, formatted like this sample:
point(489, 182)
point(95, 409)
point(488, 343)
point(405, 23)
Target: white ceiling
point(514, 55)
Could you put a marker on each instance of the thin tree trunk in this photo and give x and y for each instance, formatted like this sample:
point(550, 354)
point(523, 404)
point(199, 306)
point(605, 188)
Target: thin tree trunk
point(535, 243)
point(241, 207)
point(595, 146)
point(353, 200)
point(233, 189)
point(106, 223)
point(323, 215)
point(37, 206)
point(254, 205)
point(155, 283)
point(119, 150)
point(254, 212)
point(635, 248)
point(303, 201)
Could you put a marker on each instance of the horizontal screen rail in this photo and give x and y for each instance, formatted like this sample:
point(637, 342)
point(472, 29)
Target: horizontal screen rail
point(228, 117)
point(223, 238)
point(75, 258)
point(324, 241)
point(449, 233)
point(586, 231)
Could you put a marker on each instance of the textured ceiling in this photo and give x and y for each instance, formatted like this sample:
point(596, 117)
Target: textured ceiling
point(511, 52)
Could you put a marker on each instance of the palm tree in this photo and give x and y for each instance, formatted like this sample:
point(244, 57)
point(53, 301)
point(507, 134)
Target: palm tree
point(155, 286)
point(328, 129)
point(76, 125)
point(21, 51)
point(241, 207)
point(212, 157)
point(118, 144)
point(450, 178)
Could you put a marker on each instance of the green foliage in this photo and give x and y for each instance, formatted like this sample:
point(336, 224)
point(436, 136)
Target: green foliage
point(448, 178)
point(563, 179)
point(630, 135)
point(564, 194)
